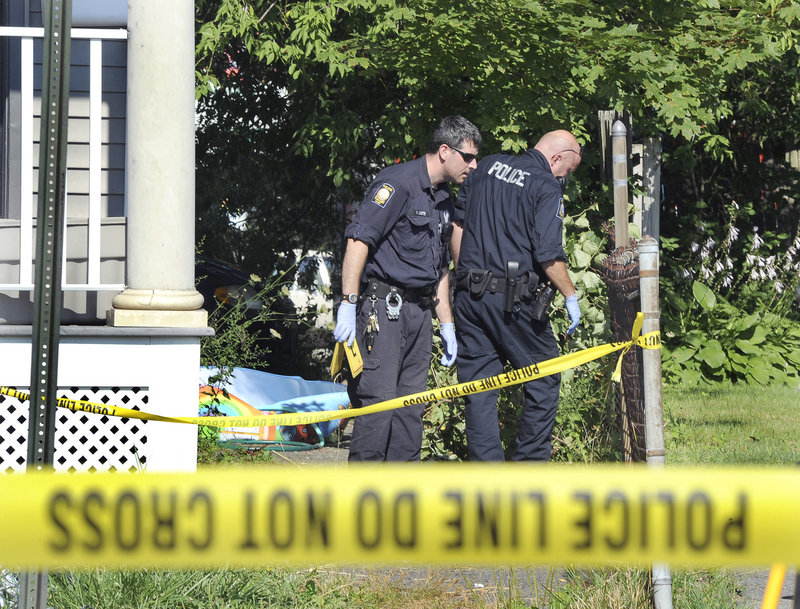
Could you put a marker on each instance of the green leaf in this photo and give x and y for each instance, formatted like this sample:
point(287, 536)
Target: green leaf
point(739, 367)
point(745, 346)
point(590, 246)
point(759, 372)
point(676, 301)
point(591, 281)
point(735, 356)
point(582, 259)
point(743, 323)
point(704, 296)
point(681, 354)
point(691, 377)
point(759, 334)
point(695, 338)
point(713, 354)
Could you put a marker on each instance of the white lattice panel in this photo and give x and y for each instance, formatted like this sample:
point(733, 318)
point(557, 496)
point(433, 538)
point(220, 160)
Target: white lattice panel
point(84, 442)
point(13, 434)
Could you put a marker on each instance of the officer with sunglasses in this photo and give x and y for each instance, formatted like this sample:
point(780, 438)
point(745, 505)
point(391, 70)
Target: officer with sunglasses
point(395, 270)
point(507, 245)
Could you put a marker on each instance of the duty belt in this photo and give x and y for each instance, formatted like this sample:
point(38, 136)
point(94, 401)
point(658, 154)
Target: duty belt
point(527, 287)
point(424, 297)
point(480, 281)
point(515, 287)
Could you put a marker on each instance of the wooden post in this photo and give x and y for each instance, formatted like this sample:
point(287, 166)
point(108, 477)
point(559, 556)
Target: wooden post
point(637, 170)
point(619, 144)
point(606, 120)
point(651, 181)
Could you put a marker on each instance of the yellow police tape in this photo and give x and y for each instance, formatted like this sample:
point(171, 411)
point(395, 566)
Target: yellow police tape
point(651, 340)
point(439, 513)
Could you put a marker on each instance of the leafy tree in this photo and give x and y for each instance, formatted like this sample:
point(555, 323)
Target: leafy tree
point(300, 103)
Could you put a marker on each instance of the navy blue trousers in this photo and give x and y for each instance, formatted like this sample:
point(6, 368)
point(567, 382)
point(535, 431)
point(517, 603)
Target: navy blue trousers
point(487, 339)
point(397, 365)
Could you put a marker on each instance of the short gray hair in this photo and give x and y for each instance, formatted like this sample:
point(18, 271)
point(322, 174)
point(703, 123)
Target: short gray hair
point(454, 131)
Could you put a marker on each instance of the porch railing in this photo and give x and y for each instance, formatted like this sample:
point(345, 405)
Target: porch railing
point(27, 35)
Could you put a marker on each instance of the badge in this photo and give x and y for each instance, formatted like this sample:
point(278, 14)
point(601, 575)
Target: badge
point(560, 212)
point(383, 194)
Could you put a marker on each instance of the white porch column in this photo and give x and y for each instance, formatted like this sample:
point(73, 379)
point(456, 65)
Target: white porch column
point(160, 169)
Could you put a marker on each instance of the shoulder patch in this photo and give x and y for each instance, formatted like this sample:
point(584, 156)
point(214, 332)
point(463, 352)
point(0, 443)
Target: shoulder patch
point(383, 194)
point(560, 212)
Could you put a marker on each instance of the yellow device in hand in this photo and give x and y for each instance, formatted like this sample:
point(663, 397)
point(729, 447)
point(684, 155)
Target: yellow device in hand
point(354, 359)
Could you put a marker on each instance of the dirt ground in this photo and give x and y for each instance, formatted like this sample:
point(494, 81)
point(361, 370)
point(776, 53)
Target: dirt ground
point(490, 584)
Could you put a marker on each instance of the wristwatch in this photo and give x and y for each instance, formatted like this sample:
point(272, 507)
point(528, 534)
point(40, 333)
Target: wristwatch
point(351, 298)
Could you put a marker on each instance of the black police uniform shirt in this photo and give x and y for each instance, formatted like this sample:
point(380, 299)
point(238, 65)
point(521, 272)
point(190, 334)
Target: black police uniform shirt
point(402, 219)
point(511, 208)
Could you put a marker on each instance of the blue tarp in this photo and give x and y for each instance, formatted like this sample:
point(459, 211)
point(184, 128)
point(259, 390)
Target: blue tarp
point(265, 391)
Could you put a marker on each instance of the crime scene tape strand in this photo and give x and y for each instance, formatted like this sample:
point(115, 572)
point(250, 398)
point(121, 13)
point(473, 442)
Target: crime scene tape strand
point(439, 513)
point(651, 340)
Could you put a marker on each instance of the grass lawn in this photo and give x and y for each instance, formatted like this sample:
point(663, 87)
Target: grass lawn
point(734, 424)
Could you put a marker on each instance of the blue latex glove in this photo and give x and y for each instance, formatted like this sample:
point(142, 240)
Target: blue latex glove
point(345, 330)
point(448, 332)
point(574, 313)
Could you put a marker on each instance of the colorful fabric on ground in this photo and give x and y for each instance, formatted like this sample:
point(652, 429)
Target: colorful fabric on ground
point(253, 392)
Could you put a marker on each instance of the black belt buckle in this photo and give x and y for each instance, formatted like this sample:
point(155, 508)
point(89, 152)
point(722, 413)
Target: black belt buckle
point(478, 282)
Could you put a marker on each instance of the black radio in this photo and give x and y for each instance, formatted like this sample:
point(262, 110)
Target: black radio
point(542, 299)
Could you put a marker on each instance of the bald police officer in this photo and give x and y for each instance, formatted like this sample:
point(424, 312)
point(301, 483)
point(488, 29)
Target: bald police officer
point(507, 244)
point(395, 271)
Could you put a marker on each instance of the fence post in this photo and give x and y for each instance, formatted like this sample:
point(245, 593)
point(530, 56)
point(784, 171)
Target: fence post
point(606, 119)
point(651, 183)
point(653, 408)
point(619, 146)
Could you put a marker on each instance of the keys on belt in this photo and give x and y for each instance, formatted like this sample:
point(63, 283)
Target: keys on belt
point(373, 327)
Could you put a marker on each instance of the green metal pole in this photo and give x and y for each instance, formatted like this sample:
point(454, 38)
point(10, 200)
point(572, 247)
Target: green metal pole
point(48, 298)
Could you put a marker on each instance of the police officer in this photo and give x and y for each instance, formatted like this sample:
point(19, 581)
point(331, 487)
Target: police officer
point(507, 244)
point(394, 272)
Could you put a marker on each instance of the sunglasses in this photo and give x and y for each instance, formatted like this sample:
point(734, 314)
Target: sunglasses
point(578, 152)
point(467, 156)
